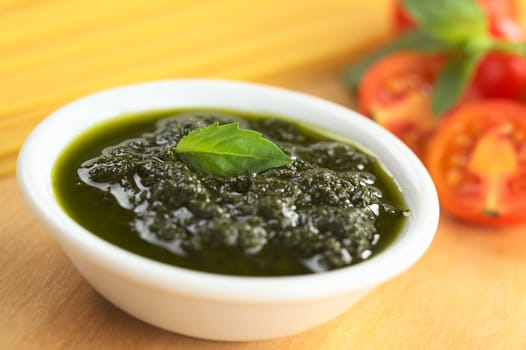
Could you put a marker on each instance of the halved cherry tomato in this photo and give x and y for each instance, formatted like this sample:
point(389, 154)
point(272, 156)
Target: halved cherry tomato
point(395, 92)
point(477, 158)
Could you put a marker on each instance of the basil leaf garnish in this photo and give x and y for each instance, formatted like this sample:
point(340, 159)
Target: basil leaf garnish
point(508, 47)
point(226, 150)
point(452, 21)
point(452, 82)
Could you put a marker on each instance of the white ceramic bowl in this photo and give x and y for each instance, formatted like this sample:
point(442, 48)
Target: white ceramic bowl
point(214, 306)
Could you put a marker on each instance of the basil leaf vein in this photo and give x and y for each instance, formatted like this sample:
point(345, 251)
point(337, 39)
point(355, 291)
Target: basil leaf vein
point(226, 150)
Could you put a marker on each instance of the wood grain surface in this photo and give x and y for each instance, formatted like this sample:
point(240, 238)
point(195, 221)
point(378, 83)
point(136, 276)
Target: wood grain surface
point(467, 292)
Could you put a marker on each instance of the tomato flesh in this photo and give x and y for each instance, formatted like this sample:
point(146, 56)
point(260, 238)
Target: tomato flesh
point(395, 92)
point(477, 158)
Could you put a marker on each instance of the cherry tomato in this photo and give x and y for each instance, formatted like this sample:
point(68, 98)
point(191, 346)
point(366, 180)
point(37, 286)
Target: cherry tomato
point(395, 93)
point(477, 158)
point(501, 76)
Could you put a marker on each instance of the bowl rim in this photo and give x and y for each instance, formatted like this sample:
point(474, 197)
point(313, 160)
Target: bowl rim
point(34, 178)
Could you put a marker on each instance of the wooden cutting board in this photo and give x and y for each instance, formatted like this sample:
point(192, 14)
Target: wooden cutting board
point(467, 292)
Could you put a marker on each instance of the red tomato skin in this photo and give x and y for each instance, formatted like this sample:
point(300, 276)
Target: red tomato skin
point(401, 20)
point(501, 76)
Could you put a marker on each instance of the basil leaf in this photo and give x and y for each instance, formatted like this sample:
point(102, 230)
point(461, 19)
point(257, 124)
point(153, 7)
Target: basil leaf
point(452, 21)
point(510, 47)
point(452, 82)
point(411, 40)
point(227, 150)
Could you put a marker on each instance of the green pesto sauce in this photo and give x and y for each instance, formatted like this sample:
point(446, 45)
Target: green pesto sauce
point(332, 207)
